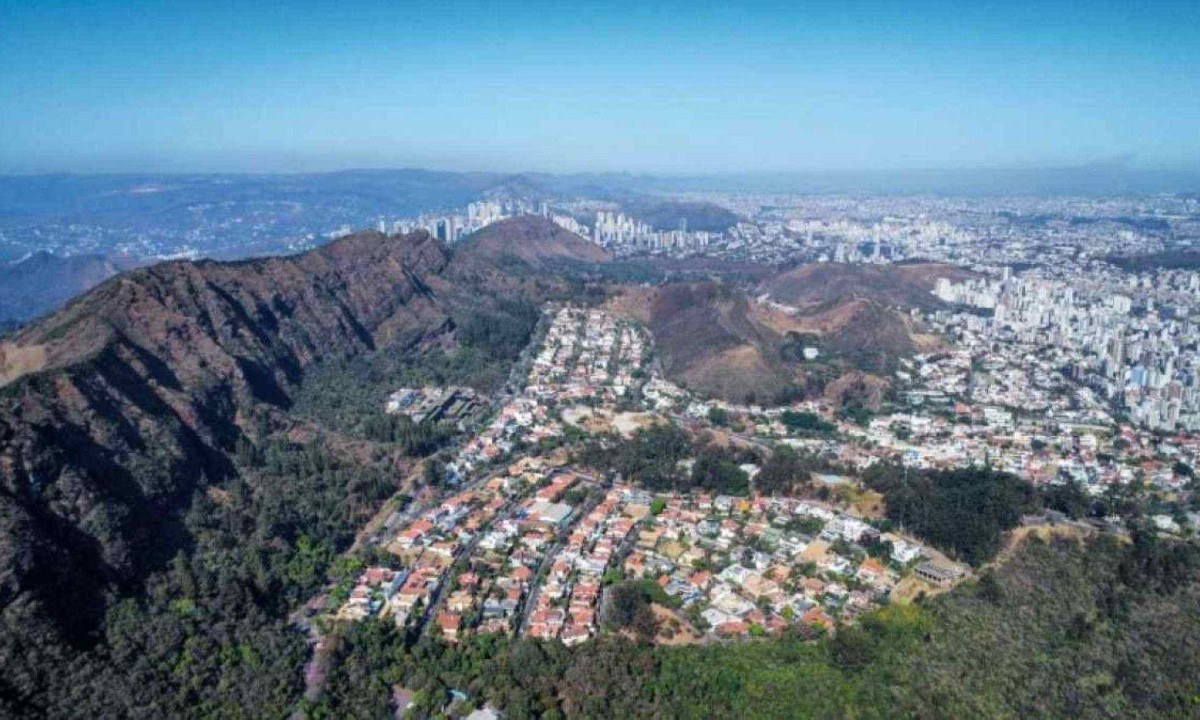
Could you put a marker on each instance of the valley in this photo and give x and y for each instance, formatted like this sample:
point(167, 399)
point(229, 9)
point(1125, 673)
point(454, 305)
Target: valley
point(491, 447)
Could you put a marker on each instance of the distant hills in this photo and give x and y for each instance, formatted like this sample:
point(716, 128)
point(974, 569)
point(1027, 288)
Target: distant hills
point(72, 231)
point(42, 281)
point(158, 197)
point(222, 216)
point(1102, 178)
point(232, 216)
point(678, 214)
point(213, 216)
point(1175, 259)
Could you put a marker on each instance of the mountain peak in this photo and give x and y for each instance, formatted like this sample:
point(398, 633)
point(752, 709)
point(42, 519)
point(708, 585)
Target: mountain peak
point(534, 241)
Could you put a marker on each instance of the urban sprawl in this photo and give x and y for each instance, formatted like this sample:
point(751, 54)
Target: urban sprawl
point(1060, 366)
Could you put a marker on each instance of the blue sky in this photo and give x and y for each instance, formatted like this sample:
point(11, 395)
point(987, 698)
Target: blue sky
point(671, 88)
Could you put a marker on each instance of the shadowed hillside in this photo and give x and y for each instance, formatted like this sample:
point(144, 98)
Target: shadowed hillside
point(118, 409)
point(674, 214)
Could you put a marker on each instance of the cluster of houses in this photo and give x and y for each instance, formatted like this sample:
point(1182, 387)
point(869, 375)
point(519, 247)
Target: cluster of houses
point(1021, 414)
point(566, 602)
point(664, 396)
point(522, 419)
point(503, 527)
point(469, 563)
point(427, 548)
point(1035, 427)
point(738, 566)
point(532, 563)
point(587, 354)
point(492, 590)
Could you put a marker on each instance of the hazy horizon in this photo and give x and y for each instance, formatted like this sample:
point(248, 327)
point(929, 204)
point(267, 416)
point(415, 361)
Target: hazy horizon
point(1111, 179)
point(675, 89)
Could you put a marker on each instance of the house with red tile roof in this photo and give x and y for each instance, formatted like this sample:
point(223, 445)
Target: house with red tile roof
point(450, 623)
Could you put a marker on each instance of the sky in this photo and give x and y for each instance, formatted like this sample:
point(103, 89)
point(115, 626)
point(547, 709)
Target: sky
point(618, 86)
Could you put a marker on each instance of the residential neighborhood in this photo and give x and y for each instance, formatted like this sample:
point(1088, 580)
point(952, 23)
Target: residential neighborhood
point(526, 542)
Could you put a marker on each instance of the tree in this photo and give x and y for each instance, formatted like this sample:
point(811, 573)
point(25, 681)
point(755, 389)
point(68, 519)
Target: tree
point(627, 605)
point(435, 472)
point(650, 458)
point(716, 472)
point(806, 423)
point(1068, 498)
point(783, 472)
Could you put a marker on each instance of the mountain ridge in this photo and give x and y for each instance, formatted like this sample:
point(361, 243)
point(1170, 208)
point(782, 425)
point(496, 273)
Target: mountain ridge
point(144, 385)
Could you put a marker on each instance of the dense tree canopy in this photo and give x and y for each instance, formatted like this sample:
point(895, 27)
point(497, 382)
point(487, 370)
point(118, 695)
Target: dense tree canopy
point(208, 636)
point(786, 471)
point(651, 457)
point(806, 423)
point(963, 511)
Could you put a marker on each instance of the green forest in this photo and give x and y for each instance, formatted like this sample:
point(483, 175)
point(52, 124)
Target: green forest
point(208, 636)
point(654, 457)
point(964, 512)
point(348, 394)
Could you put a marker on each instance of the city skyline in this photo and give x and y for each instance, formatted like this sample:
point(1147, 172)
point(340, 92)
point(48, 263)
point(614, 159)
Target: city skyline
point(669, 89)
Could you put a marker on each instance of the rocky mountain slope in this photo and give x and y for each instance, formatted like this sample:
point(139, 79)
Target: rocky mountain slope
point(118, 409)
point(708, 338)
